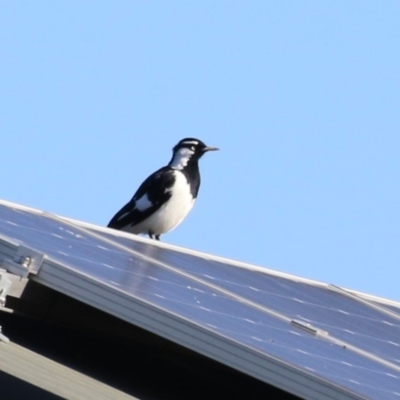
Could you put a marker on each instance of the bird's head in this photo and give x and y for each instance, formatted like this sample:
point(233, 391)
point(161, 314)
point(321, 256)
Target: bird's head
point(187, 150)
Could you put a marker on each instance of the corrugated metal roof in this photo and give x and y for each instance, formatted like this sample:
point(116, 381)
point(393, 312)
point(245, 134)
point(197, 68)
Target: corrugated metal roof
point(52, 376)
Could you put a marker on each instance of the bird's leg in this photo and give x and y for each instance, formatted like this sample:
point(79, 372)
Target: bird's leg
point(153, 236)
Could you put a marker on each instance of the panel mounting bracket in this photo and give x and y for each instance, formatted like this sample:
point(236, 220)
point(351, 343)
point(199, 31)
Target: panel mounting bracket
point(308, 327)
point(26, 261)
point(5, 285)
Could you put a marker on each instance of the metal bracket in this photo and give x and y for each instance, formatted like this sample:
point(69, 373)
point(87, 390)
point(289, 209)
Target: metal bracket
point(26, 261)
point(5, 285)
point(308, 327)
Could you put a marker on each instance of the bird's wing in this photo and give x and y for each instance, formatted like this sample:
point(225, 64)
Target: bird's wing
point(150, 196)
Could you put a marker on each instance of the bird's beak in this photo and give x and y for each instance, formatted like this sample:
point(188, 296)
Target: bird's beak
point(209, 148)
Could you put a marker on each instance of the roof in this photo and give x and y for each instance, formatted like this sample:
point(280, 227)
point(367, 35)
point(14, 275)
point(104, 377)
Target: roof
point(308, 338)
point(16, 360)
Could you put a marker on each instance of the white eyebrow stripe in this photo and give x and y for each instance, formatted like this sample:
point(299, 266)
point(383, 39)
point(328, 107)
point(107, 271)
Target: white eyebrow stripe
point(190, 142)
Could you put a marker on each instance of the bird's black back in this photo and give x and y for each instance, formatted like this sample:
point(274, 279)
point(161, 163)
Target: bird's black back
point(156, 186)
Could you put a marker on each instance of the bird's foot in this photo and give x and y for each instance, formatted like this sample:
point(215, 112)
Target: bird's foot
point(153, 236)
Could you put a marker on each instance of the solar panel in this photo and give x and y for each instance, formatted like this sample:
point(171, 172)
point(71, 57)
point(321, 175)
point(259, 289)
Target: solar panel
point(344, 318)
point(253, 321)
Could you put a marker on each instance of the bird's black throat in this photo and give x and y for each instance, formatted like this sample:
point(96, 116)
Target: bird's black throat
point(192, 174)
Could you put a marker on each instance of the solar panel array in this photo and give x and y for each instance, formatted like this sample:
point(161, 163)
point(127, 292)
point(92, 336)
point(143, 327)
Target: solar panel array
point(330, 337)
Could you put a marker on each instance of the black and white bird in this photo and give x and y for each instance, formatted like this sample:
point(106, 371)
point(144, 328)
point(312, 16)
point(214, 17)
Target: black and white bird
point(165, 198)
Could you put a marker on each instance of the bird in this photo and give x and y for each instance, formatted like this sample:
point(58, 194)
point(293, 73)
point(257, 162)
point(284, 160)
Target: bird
point(165, 198)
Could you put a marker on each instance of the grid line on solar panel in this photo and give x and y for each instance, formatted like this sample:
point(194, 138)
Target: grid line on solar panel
point(378, 307)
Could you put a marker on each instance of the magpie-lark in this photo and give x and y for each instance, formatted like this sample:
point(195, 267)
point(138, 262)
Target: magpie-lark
point(165, 198)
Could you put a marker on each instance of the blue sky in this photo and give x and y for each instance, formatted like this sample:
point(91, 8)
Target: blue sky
point(303, 99)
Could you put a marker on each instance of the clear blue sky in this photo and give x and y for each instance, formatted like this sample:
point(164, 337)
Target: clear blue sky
point(303, 98)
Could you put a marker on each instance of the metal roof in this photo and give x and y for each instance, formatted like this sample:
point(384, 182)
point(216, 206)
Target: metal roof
point(55, 378)
point(311, 339)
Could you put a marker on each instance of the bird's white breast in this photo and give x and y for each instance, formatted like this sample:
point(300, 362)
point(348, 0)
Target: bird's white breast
point(170, 214)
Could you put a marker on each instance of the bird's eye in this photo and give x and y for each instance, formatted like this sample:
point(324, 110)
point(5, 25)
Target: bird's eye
point(192, 148)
